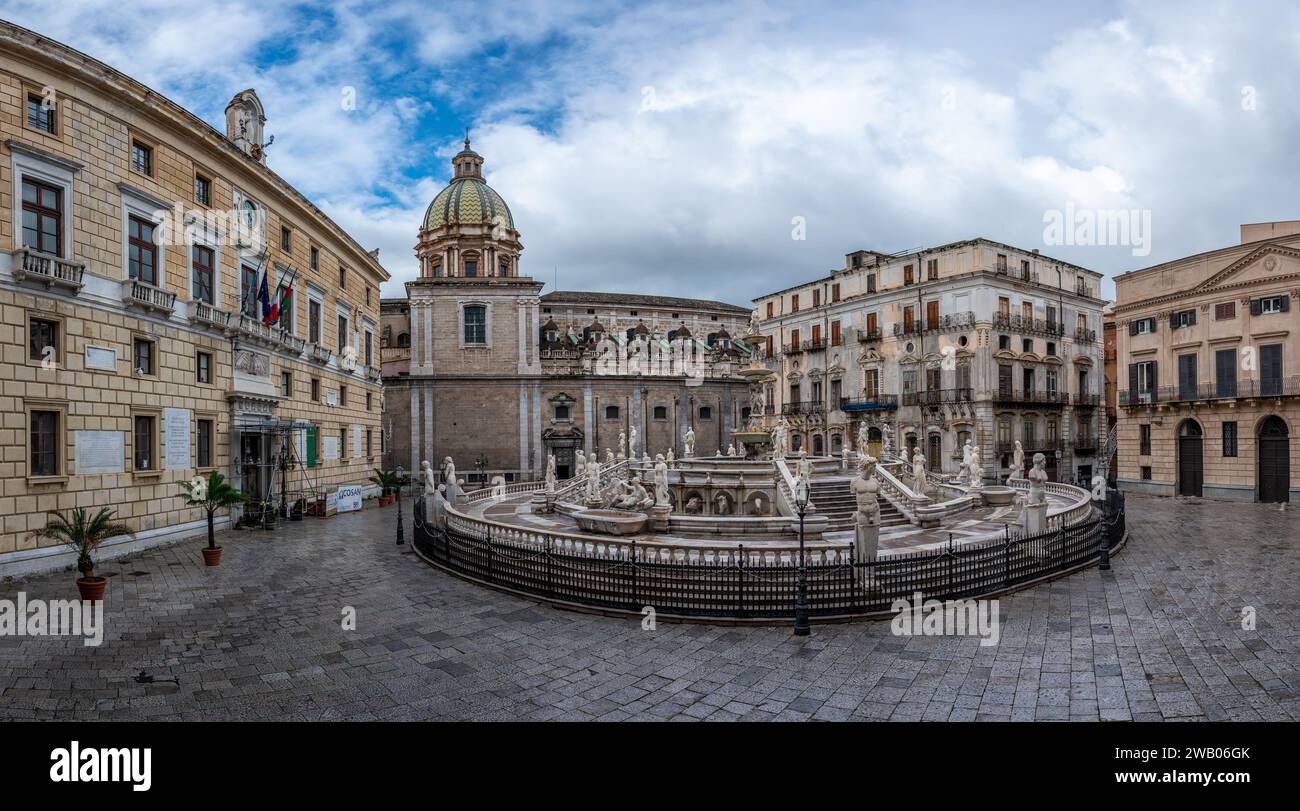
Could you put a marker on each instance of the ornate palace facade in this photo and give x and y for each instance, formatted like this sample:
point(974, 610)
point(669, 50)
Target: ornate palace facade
point(135, 356)
point(973, 340)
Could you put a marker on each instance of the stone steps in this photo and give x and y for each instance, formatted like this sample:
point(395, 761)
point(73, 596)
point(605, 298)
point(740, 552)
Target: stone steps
point(834, 500)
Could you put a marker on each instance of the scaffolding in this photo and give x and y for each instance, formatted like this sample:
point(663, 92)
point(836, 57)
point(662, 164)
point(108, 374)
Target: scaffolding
point(284, 483)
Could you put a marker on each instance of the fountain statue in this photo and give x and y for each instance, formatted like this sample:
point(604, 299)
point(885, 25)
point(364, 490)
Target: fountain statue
point(580, 463)
point(1017, 463)
point(662, 496)
point(440, 506)
point(689, 442)
point(609, 456)
point(1036, 506)
point(593, 482)
point(778, 439)
point(863, 442)
point(975, 471)
point(426, 473)
point(964, 475)
point(622, 445)
point(866, 521)
point(550, 474)
point(919, 484)
point(635, 496)
point(632, 443)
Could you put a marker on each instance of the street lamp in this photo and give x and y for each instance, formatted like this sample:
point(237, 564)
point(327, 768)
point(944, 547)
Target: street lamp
point(401, 539)
point(801, 626)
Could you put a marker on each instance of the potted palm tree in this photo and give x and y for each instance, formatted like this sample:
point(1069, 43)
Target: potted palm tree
point(212, 494)
point(84, 533)
point(388, 482)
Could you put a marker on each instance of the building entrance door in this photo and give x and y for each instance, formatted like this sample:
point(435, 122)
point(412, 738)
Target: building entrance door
point(1191, 470)
point(1274, 461)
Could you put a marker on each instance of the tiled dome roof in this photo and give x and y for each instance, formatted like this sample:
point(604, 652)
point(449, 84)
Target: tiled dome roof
point(468, 201)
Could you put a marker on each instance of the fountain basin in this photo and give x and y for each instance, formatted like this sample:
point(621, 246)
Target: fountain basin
point(998, 496)
point(611, 522)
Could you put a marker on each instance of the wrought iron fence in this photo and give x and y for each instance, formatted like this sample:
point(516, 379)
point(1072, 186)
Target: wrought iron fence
point(758, 584)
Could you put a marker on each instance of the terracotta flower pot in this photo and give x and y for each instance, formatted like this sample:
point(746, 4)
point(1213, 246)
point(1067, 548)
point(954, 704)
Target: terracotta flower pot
point(92, 588)
point(384, 501)
point(211, 557)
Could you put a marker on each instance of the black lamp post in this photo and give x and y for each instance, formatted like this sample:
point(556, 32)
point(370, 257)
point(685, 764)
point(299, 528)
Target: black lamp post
point(401, 539)
point(801, 625)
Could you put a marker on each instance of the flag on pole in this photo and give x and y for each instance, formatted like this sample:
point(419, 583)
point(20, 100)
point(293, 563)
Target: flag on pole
point(264, 298)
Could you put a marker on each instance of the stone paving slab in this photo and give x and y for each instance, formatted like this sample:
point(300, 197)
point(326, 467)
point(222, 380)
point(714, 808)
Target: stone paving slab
point(260, 638)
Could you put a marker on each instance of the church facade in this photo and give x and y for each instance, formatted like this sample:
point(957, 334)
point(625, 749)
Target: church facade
point(481, 366)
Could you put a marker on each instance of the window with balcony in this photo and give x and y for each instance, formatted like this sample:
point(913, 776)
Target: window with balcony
point(142, 252)
point(932, 315)
point(836, 338)
point(248, 291)
point(42, 217)
point(1270, 369)
point(1186, 377)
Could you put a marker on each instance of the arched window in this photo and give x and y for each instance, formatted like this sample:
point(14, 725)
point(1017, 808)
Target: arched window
point(437, 268)
point(471, 264)
point(403, 340)
point(503, 269)
point(475, 324)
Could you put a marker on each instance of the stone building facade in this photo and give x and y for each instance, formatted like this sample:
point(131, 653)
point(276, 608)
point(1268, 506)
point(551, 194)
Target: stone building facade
point(480, 366)
point(972, 340)
point(133, 359)
point(1207, 347)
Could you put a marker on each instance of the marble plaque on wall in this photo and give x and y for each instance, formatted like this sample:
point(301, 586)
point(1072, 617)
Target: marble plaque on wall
point(99, 452)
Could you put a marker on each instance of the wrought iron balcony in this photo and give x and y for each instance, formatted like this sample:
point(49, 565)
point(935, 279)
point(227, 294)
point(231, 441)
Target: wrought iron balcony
point(1227, 390)
point(937, 397)
point(136, 293)
point(805, 407)
point(36, 268)
point(870, 402)
point(1087, 400)
point(321, 355)
point(1085, 336)
point(793, 349)
point(1018, 323)
point(205, 314)
point(1047, 398)
point(815, 345)
point(1029, 446)
point(866, 336)
point(374, 374)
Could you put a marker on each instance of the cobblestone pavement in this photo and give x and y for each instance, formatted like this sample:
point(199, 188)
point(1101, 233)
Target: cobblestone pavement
point(259, 637)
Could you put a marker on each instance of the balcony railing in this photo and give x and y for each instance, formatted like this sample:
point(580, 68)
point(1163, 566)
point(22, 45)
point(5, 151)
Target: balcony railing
point(321, 355)
point(1019, 274)
point(136, 293)
point(937, 397)
point(1087, 400)
point(1051, 398)
point(1085, 444)
point(1018, 323)
point(203, 313)
point(869, 402)
point(815, 345)
point(34, 267)
point(805, 407)
point(866, 336)
point(374, 374)
point(1085, 336)
point(1235, 390)
point(794, 349)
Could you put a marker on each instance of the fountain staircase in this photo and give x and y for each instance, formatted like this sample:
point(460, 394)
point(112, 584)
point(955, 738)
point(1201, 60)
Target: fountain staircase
point(833, 499)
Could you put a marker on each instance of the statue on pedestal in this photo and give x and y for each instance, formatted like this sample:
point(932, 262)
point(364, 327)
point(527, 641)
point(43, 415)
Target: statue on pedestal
point(863, 443)
point(550, 474)
point(426, 474)
point(609, 456)
point(975, 470)
point(964, 475)
point(919, 484)
point(805, 466)
point(622, 445)
point(635, 496)
point(1017, 462)
point(689, 442)
point(778, 439)
point(593, 481)
point(440, 507)
point(632, 443)
point(1038, 481)
point(662, 497)
point(866, 520)
point(888, 434)
point(579, 462)
point(671, 459)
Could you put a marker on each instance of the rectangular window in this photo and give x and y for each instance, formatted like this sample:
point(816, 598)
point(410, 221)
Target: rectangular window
point(1225, 311)
point(1142, 326)
point(907, 275)
point(286, 384)
point(661, 412)
point(1004, 380)
point(1187, 377)
point(342, 332)
point(144, 442)
point(611, 412)
point(143, 356)
point(873, 324)
point(142, 252)
point(44, 440)
point(794, 303)
point(203, 441)
point(871, 282)
point(286, 239)
point(1270, 369)
point(835, 333)
point(40, 115)
point(369, 401)
point(932, 315)
point(343, 395)
point(248, 294)
point(1002, 263)
point(366, 343)
point(475, 324)
point(313, 321)
point(1270, 305)
point(43, 340)
point(142, 158)
point(1004, 305)
point(1144, 439)
point(706, 413)
point(203, 367)
point(315, 259)
point(201, 262)
point(42, 217)
point(872, 383)
point(835, 292)
point(769, 309)
point(1051, 381)
point(817, 298)
point(1225, 373)
point(1230, 439)
point(909, 320)
point(315, 389)
point(931, 269)
point(343, 278)
point(1182, 318)
point(202, 190)
point(368, 446)
point(1146, 473)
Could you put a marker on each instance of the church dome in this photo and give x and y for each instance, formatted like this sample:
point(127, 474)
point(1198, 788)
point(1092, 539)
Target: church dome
point(467, 199)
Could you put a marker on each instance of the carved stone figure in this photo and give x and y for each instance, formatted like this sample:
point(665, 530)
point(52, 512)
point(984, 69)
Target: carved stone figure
point(888, 435)
point(805, 466)
point(632, 443)
point(498, 486)
point(1038, 481)
point(863, 442)
point(975, 470)
point(689, 441)
point(731, 449)
point(579, 463)
point(919, 484)
point(593, 481)
point(662, 497)
point(670, 458)
point(449, 476)
point(694, 506)
point(440, 507)
point(721, 504)
point(426, 473)
point(1018, 462)
point(866, 520)
point(622, 445)
point(635, 496)
point(609, 456)
point(550, 474)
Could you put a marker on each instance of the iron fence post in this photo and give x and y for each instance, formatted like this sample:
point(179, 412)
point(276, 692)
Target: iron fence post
point(634, 583)
point(550, 584)
point(740, 580)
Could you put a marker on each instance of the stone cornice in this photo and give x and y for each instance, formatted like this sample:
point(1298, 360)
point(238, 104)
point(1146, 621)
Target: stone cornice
point(1214, 284)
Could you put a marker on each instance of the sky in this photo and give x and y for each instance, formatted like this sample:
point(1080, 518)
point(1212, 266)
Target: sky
point(725, 150)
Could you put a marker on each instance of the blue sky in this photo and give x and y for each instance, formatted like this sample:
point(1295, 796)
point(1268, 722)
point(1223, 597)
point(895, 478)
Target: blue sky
point(669, 147)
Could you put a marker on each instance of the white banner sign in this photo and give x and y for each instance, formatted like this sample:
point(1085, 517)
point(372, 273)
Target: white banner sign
point(349, 498)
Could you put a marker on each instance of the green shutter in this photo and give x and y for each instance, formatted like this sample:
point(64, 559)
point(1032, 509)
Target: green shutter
point(311, 447)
